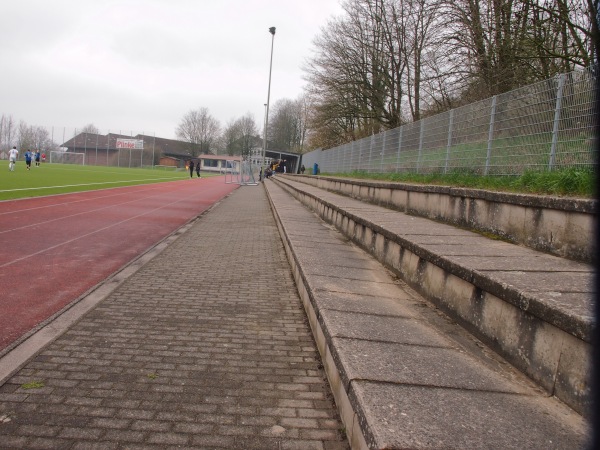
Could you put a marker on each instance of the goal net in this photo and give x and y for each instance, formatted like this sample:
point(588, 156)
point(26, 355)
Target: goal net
point(231, 174)
point(165, 168)
point(57, 157)
point(245, 176)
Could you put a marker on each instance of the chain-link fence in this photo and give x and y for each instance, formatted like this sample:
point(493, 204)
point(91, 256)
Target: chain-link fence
point(543, 126)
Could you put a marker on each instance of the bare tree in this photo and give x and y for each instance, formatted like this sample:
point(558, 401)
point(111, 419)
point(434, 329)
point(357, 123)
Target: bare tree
point(90, 128)
point(200, 129)
point(339, 82)
point(240, 135)
point(230, 137)
point(249, 131)
point(7, 132)
point(564, 33)
point(304, 105)
point(371, 66)
point(488, 35)
point(287, 128)
point(594, 14)
point(385, 62)
point(504, 44)
point(34, 137)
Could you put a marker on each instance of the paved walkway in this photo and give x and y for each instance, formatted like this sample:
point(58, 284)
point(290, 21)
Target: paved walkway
point(206, 346)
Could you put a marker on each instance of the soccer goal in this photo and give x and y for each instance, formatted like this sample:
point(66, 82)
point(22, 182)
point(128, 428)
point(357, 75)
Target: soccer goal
point(247, 177)
point(244, 176)
point(231, 174)
point(57, 157)
point(165, 168)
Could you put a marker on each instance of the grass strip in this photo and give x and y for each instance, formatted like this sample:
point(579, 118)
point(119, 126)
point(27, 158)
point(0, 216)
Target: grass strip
point(49, 179)
point(572, 182)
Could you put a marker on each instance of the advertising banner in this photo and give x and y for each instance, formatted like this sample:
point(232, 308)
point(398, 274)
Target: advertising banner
point(136, 144)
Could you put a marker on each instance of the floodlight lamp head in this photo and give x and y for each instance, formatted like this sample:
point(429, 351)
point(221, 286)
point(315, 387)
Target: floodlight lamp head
point(272, 31)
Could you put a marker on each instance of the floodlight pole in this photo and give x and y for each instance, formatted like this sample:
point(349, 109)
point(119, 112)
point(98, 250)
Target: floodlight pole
point(264, 130)
point(262, 165)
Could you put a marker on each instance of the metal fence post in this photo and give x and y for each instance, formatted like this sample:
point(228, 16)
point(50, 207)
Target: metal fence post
point(142, 153)
point(336, 160)
point(370, 152)
point(351, 147)
point(490, 136)
point(401, 132)
point(361, 148)
point(449, 145)
point(383, 150)
point(555, 128)
point(421, 131)
point(348, 157)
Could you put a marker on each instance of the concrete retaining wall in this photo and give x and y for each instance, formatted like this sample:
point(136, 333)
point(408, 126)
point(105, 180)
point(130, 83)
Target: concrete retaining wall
point(559, 226)
point(555, 352)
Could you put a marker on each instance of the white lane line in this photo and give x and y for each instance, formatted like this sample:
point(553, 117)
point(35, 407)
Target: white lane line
point(88, 211)
point(52, 205)
point(93, 232)
point(84, 184)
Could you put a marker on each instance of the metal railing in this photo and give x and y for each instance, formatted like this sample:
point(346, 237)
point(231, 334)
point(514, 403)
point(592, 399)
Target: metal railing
point(544, 126)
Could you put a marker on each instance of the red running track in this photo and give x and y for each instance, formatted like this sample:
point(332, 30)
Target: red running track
point(53, 249)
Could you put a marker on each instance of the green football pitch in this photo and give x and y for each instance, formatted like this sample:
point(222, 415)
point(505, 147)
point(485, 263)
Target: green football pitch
point(49, 179)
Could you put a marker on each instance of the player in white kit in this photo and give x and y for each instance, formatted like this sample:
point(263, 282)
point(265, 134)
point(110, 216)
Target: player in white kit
point(13, 154)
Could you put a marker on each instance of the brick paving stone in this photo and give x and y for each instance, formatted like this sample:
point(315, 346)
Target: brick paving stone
point(94, 445)
point(206, 346)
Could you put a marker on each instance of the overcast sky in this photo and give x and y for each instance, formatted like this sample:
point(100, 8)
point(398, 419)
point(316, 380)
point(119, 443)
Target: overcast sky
point(140, 66)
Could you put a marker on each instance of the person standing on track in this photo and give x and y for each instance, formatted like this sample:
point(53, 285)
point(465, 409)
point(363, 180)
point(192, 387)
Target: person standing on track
point(191, 167)
point(28, 154)
point(13, 154)
point(198, 168)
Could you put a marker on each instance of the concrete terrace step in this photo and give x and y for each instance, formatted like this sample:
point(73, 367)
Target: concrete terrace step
point(403, 375)
point(534, 309)
point(555, 225)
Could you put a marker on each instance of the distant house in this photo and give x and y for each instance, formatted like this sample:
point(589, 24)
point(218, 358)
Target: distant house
point(120, 150)
point(208, 163)
point(273, 156)
point(170, 161)
point(112, 149)
point(219, 163)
